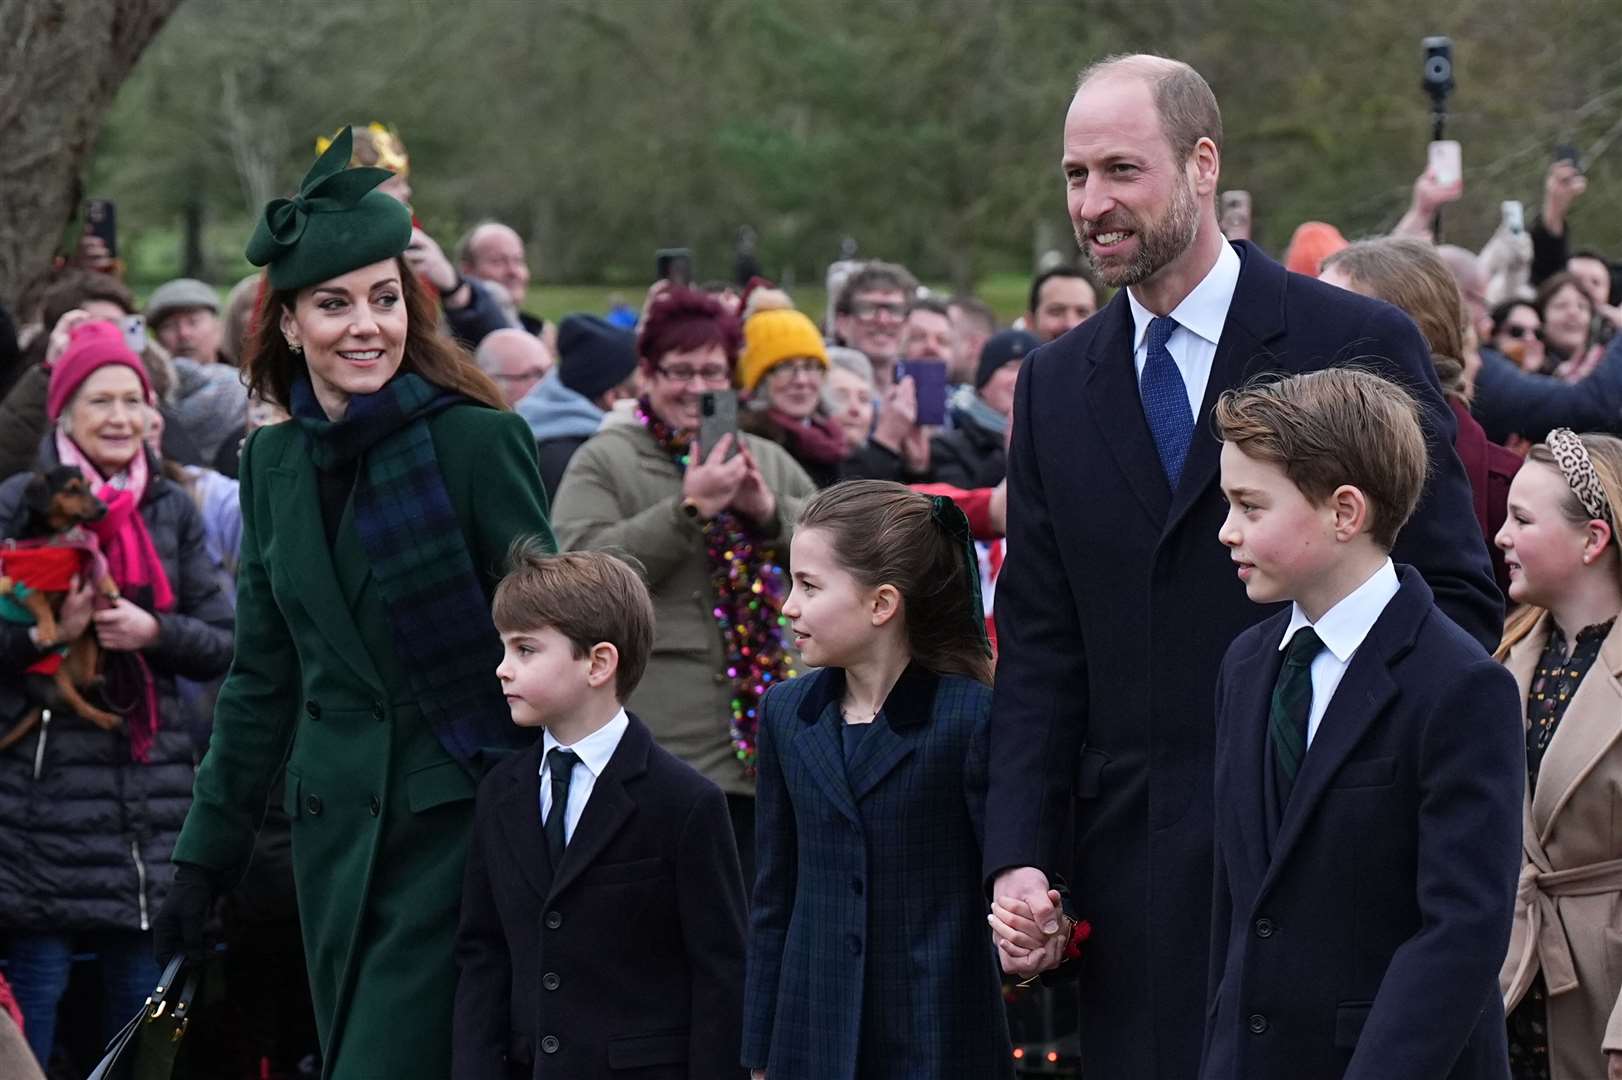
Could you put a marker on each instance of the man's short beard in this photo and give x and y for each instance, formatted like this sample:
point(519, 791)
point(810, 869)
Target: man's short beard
point(1161, 243)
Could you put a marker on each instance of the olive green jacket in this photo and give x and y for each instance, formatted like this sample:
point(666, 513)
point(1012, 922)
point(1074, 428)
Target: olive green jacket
point(623, 493)
point(382, 814)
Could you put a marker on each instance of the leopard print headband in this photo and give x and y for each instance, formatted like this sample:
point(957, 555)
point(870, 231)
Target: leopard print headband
point(1572, 457)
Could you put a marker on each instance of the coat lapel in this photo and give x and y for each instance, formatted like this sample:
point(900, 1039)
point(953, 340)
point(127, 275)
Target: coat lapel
point(1117, 408)
point(302, 549)
point(1591, 725)
point(520, 817)
point(1247, 749)
point(1364, 693)
point(1255, 318)
point(609, 808)
point(895, 733)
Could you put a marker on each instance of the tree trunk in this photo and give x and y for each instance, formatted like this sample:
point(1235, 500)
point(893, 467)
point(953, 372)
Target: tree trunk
point(61, 63)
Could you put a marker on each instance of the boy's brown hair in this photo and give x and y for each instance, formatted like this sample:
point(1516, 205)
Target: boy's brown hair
point(1333, 427)
point(587, 596)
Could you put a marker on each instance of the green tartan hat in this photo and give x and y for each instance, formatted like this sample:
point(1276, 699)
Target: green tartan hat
point(336, 223)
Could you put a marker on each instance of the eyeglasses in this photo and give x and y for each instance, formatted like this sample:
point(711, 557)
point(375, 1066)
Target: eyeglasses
point(867, 309)
point(710, 376)
point(803, 366)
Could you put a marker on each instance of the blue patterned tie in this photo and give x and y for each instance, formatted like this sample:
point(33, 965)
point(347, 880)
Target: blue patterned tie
point(1165, 401)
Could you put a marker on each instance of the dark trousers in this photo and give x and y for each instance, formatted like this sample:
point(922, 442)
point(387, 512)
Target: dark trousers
point(742, 809)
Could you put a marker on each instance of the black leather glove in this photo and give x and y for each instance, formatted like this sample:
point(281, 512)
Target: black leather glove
point(184, 914)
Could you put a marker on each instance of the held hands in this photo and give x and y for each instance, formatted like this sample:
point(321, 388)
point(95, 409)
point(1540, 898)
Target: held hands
point(125, 627)
point(1027, 922)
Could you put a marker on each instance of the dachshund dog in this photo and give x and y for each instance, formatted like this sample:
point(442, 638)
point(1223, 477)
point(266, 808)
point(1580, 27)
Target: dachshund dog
point(59, 503)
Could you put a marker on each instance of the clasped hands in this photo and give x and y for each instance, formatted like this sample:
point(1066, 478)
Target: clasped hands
point(1030, 928)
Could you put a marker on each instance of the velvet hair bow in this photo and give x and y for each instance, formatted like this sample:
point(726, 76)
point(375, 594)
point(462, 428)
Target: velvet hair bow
point(955, 523)
point(330, 186)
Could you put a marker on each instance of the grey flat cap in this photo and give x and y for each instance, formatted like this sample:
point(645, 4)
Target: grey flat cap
point(178, 295)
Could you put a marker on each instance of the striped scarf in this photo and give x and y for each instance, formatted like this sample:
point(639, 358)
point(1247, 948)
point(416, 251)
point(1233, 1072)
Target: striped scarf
point(443, 633)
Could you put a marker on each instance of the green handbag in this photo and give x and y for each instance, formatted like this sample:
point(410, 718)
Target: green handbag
point(149, 1045)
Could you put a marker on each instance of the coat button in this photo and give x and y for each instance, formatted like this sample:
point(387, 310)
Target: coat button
point(554, 920)
point(375, 806)
point(856, 885)
point(312, 708)
point(854, 944)
point(312, 803)
point(549, 1045)
point(1257, 1023)
point(377, 712)
point(1265, 928)
point(550, 980)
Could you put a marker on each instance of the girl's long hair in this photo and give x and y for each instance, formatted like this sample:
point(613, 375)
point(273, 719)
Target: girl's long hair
point(271, 366)
point(883, 533)
point(1605, 451)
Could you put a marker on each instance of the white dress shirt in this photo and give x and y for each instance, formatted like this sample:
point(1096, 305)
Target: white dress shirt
point(1342, 629)
point(1199, 319)
point(594, 751)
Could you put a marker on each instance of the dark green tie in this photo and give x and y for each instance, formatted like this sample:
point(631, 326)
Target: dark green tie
point(1292, 704)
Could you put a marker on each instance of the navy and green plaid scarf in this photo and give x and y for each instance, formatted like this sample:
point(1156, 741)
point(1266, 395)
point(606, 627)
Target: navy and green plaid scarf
point(409, 530)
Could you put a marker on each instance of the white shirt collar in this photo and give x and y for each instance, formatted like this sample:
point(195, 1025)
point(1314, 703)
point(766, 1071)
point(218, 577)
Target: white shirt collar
point(1344, 626)
point(1202, 311)
point(595, 749)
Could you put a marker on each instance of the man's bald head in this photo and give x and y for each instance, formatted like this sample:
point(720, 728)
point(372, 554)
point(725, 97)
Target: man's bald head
point(494, 252)
point(1187, 107)
point(515, 359)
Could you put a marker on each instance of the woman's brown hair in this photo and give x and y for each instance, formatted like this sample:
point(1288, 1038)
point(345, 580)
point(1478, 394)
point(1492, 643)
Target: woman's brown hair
point(883, 533)
point(1605, 454)
point(1408, 274)
point(271, 365)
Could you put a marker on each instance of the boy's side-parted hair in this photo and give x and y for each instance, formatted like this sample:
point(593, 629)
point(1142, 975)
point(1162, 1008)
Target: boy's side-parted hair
point(884, 533)
point(1337, 426)
point(587, 596)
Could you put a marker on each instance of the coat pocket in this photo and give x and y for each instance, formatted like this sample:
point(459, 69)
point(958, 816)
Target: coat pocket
point(1090, 773)
point(437, 784)
point(641, 1051)
point(1350, 1016)
point(1370, 772)
point(623, 873)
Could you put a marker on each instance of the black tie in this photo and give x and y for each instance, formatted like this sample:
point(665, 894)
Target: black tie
point(1292, 705)
point(560, 765)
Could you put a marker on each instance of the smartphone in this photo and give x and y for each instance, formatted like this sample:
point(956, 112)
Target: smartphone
point(929, 380)
point(101, 219)
point(674, 265)
point(1568, 152)
point(1446, 161)
point(1514, 216)
point(134, 330)
point(718, 416)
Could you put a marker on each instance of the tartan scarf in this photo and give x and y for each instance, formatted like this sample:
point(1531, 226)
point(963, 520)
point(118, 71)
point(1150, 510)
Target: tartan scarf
point(748, 587)
point(443, 632)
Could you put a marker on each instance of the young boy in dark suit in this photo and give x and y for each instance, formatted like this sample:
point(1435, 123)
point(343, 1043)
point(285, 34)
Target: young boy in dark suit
point(602, 919)
point(1369, 764)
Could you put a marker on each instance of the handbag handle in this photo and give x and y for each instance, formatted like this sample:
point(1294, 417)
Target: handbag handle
point(165, 998)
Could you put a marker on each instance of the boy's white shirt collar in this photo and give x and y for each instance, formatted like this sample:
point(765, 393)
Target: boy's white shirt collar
point(1344, 626)
point(595, 749)
point(1204, 310)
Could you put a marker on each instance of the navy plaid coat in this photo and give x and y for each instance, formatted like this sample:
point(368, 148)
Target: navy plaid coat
point(869, 953)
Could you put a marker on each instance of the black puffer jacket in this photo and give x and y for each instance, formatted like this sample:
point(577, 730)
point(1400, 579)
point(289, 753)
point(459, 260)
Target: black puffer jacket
point(85, 832)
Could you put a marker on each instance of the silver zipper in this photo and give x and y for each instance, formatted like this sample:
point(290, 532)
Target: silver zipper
point(140, 876)
point(39, 750)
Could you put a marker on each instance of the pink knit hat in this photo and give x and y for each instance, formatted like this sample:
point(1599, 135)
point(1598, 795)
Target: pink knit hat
point(91, 346)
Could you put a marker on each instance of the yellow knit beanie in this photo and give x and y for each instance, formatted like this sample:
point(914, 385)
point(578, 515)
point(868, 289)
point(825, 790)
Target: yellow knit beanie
point(774, 332)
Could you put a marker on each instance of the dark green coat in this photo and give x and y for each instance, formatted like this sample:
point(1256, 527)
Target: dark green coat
point(382, 814)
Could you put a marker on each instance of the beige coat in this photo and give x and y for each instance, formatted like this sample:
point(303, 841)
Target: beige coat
point(1568, 914)
point(622, 492)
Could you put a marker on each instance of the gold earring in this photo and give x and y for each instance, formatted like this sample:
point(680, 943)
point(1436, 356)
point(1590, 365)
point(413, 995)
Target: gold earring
point(298, 350)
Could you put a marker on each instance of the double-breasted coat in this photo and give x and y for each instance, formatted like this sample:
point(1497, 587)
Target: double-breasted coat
point(1113, 611)
point(1568, 914)
point(381, 813)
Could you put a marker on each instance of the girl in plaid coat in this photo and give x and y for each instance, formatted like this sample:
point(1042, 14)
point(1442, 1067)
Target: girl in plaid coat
point(869, 953)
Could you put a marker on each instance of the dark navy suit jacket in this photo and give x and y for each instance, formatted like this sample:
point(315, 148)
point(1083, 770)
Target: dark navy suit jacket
point(1367, 941)
point(1113, 611)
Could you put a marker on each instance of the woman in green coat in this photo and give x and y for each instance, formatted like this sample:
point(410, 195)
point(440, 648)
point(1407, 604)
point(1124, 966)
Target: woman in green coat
point(375, 526)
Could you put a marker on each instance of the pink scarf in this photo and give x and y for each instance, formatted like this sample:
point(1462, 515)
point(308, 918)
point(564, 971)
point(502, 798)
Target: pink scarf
point(124, 539)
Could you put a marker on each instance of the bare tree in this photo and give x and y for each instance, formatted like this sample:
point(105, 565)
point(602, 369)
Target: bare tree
point(61, 63)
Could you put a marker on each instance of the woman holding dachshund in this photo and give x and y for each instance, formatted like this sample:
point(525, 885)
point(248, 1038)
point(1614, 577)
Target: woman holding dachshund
point(91, 801)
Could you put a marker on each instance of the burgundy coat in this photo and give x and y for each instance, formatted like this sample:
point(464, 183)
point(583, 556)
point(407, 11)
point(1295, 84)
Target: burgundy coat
point(1490, 468)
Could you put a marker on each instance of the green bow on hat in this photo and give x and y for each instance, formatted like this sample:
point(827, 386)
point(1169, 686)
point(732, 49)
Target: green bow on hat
point(336, 223)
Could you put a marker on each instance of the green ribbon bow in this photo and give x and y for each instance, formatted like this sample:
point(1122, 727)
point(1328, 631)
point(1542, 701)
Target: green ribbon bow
point(950, 517)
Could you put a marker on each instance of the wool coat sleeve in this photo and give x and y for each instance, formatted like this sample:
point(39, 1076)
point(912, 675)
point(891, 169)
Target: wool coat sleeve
point(1469, 859)
point(508, 499)
point(253, 718)
point(482, 1011)
point(194, 640)
point(588, 512)
point(710, 904)
point(22, 421)
point(776, 868)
